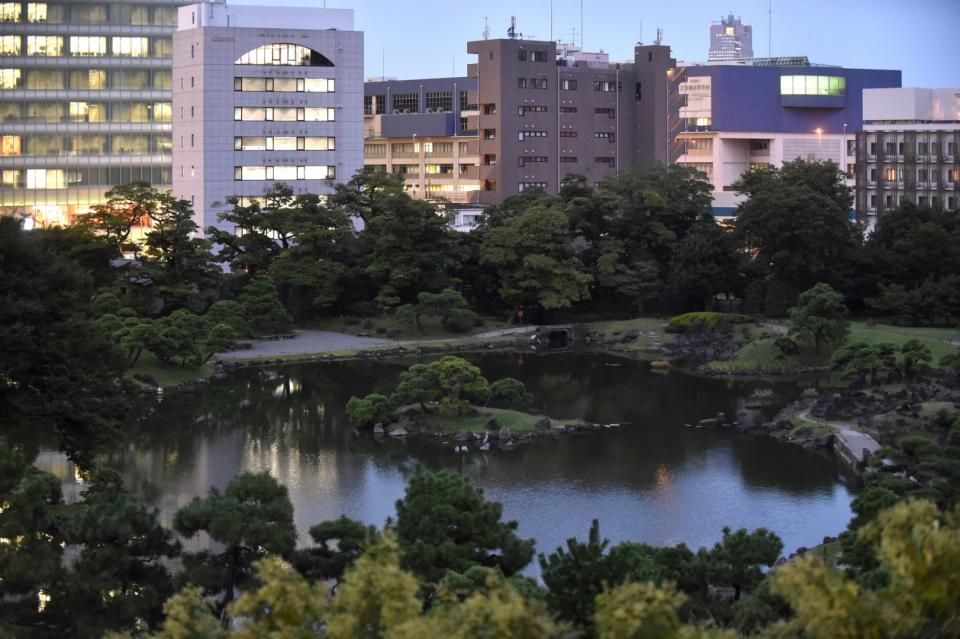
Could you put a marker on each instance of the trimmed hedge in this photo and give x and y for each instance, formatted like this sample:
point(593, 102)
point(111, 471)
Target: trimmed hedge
point(702, 320)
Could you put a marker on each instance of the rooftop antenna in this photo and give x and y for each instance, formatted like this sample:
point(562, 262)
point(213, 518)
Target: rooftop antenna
point(641, 33)
point(512, 31)
point(770, 30)
point(659, 39)
point(486, 28)
point(581, 25)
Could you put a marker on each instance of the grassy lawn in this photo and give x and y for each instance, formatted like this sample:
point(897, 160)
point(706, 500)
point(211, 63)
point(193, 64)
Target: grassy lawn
point(653, 334)
point(169, 375)
point(760, 356)
point(936, 339)
point(818, 429)
point(829, 554)
point(516, 421)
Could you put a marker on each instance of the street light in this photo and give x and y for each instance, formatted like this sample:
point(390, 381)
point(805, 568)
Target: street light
point(819, 133)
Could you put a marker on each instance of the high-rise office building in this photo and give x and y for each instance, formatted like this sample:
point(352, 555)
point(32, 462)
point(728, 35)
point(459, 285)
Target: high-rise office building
point(264, 95)
point(730, 39)
point(84, 102)
point(909, 149)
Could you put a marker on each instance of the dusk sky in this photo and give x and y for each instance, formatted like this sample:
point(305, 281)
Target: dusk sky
point(426, 38)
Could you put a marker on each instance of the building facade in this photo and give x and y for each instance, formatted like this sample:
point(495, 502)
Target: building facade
point(264, 95)
point(730, 39)
point(734, 116)
point(85, 103)
point(909, 149)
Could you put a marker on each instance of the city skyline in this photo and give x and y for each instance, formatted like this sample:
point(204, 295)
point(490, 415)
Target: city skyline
point(431, 41)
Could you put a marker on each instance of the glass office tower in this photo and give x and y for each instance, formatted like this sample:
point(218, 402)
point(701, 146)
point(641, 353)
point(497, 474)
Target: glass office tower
point(84, 103)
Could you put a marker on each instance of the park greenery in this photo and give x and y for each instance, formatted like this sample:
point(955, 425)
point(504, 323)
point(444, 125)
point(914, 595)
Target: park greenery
point(89, 312)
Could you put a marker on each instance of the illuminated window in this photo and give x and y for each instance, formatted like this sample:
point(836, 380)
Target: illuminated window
point(44, 45)
point(812, 85)
point(284, 54)
point(88, 112)
point(46, 179)
point(286, 173)
point(9, 45)
point(88, 46)
point(316, 143)
point(9, 12)
point(10, 78)
point(891, 175)
point(162, 112)
point(12, 178)
point(129, 47)
point(319, 173)
point(37, 12)
point(9, 145)
point(318, 85)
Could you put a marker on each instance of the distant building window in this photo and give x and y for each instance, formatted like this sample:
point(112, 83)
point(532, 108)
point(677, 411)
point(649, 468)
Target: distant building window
point(283, 172)
point(568, 158)
point(605, 85)
point(129, 47)
point(812, 85)
point(9, 45)
point(759, 145)
point(538, 83)
point(522, 186)
point(490, 109)
point(604, 135)
point(525, 109)
point(440, 101)
point(406, 102)
point(43, 45)
point(568, 134)
point(88, 46)
point(534, 159)
point(607, 160)
point(611, 113)
point(538, 56)
point(568, 85)
point(521, 83)
point(284, 54)
point(526, 135)
point(9, 12)
point(568, 109)
point(368, 105)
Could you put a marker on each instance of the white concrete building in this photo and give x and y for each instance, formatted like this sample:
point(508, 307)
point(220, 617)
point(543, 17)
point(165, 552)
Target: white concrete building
point(263, 95)
point(909, 149)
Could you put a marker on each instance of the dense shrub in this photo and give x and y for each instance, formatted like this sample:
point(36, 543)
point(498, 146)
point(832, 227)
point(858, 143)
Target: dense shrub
point(693, 322)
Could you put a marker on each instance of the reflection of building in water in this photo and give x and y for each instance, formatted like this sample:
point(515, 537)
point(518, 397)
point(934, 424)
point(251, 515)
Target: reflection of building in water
point(60, 466)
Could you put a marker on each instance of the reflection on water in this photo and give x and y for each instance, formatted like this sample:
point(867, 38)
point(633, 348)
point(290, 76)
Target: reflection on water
point(650, 480)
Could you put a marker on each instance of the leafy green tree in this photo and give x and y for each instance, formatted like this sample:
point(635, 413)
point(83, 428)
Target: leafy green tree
point(444, 523)
point(914, 354)
point(920, 549)
point(861, 360)
point(535, 258)
point(452, 382)
point(508, 391)
point(820, 318)
point(126, 206)
point(496, 611)
point(643, 611)
point(56, 367)
point(322, 264)
point(267, 230)
point(704, 264)
point(284, 605)
point(262, 306)
point(576, 576)
point(178, 260)
point(31, 556)
point(448, 305)
point(231, 313)
point(220, 338)
point(796, 222)
point(366, 411)
point(339, 543)
point(118, 579)
point(251, 519)
point(738, 560)
point(376, 596)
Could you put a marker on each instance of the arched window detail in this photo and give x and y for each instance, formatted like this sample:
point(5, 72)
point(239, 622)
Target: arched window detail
point(285, 54)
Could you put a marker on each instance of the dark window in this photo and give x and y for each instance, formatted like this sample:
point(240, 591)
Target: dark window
point(611, 113)
point(406, 102)
point(521, 83)
point(568, 85)
point(463, 101)
point(759, 145)
point(568, 158)
point(538, 56)
point(607, 161)
point(538, 83)
point(489, 109)
point(639, 92)
point(522, 55)
point(649, 56)
point(568, 109)
point(523, 110)
point(528, 159)
point(440, 100)
point(526, 135)
point(568, 134)
point(381, 104)
point(367, 104)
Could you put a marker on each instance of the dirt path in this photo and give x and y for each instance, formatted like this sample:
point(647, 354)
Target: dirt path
point(308, 342)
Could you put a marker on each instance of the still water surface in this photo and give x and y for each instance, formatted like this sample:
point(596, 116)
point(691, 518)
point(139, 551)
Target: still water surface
point(652, 480)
